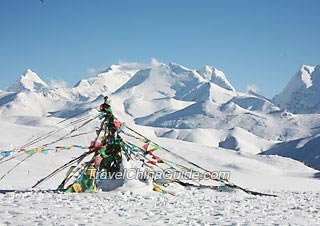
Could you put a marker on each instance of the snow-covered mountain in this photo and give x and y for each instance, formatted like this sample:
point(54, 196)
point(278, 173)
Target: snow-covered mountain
point(178, 82)
point(196, 114)
point(31, 96)
point(301, 95)
point(176, 97)
point(199, 106)
point(208, 114)
point(28, 96)
point(28, 81)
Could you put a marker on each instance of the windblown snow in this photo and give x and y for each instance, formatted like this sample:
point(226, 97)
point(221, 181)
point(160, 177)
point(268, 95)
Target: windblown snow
point(198, 114)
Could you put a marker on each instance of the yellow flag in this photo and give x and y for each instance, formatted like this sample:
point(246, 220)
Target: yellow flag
point(38, 149)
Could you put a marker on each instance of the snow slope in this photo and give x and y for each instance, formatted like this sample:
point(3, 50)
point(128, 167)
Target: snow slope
point(255, 102)
point(245, 169)
point(29, 103)
point(208, 114)
point(305, 150)
point(134, 204)
point(234, 139)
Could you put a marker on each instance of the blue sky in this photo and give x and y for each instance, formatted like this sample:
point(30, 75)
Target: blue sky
point(253, 42)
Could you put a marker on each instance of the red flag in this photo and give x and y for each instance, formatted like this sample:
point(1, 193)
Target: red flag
point(117, 124)
point(152, 162)
point(145, 147)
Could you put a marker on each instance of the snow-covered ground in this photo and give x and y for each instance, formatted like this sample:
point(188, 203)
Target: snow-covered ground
point(295, 184)
point(191, 207)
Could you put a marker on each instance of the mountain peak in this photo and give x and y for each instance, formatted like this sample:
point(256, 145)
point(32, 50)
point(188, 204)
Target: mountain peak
point(173, 64)
point(28, 81)
point(254, 93)
point(29, 74)
point(215, 76)
point(307, 68)
point(304, 74)
point(207, 68)
point(28, 71)
point(301, 94)
point(178, 68)
point(107, 81)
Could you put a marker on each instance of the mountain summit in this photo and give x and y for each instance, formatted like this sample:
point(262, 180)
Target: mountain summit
point(28, 81)
point(107, 81)
point(215, 76)
point(301, 95)
point(178, 82)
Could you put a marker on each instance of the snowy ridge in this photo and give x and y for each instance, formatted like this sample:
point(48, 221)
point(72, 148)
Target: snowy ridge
point(236, 139)
point(208, 91)
point(255, 102)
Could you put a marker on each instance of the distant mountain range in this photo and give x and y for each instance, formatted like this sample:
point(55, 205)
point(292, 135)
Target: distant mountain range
point(196, 105)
